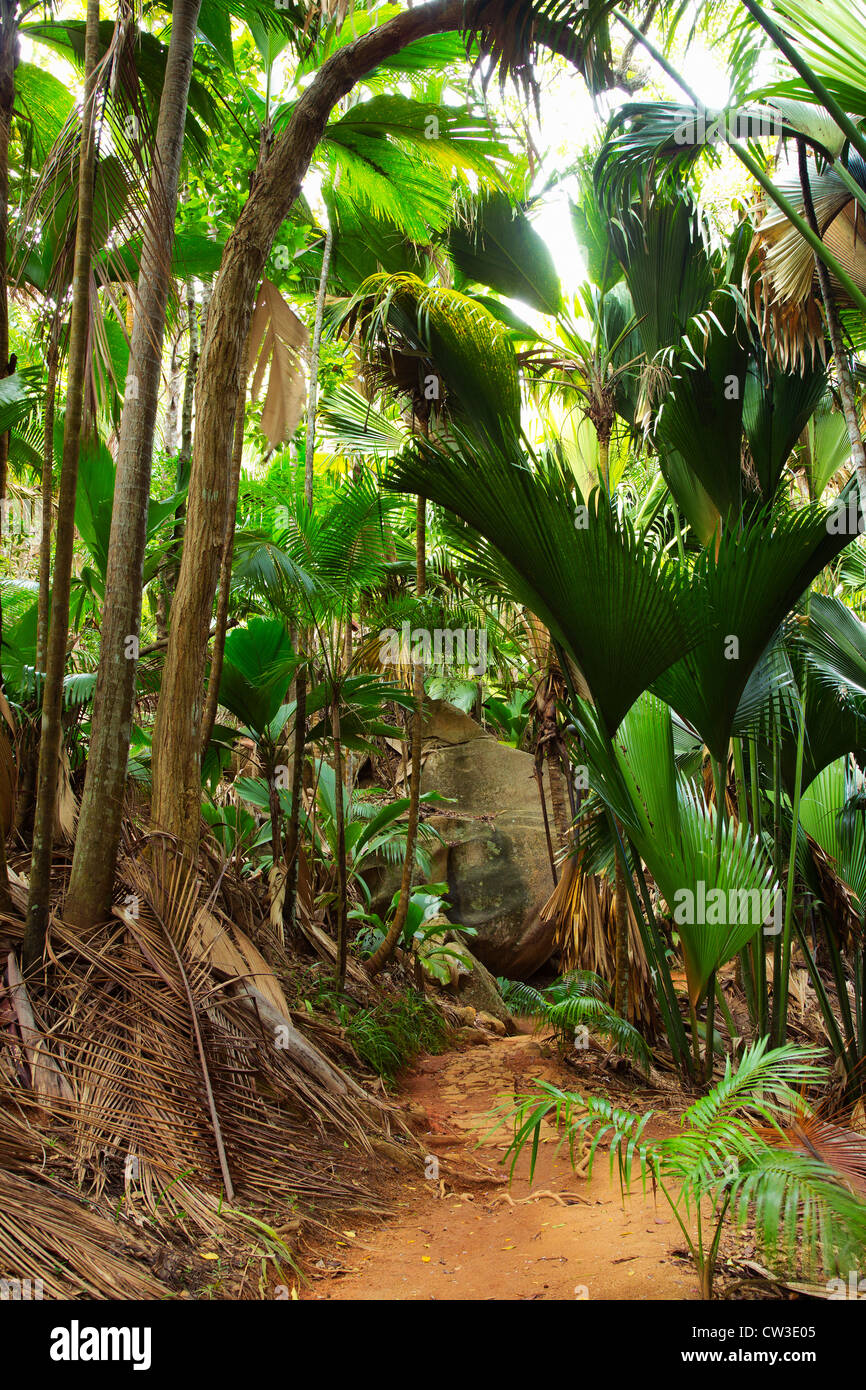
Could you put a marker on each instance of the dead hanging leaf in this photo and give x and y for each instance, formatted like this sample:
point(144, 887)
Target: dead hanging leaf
point(66, 805)
point(278, 337)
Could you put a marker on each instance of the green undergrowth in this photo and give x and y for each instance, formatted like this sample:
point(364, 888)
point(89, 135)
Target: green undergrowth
point(394, 1032)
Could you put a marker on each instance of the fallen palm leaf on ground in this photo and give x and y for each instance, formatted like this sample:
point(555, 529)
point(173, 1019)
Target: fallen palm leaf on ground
point(183, 1096)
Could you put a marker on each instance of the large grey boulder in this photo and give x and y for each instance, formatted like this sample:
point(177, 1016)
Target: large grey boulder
point(494, 857)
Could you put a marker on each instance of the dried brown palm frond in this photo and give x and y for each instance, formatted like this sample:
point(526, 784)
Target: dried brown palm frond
point(786, 298)
point(842, 915)
point(185, 1070)
point(841, 1149)
point(278, 341)
point(47, 1235)
point(582, 906)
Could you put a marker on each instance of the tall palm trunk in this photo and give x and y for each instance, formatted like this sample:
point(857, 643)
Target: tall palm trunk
point(386, 948)
point(620, 994)
point(315, 354)
point(47, 505)
point(102, 803)
point(171, 564)
point(8, 64)
point(225, 578)
point(293, 838)
point(342, 885)
point(58, 632)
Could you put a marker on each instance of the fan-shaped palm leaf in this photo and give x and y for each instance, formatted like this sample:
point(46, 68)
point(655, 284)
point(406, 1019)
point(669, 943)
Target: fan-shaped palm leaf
point(620, 613)
point(777, 560)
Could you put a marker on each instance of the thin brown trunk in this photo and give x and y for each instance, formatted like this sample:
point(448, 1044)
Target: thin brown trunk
point(293, 837)
point(383, 954)
point(190, 376)
point(8, 63)
point(47, 507)
point(604, 459)
point(225, 579)
point(342, 886)
point(102, 802)
point(172, 559)
point(539, 778)
point(620, 997)
point(315, 352)
point(58, 632)
point(561, 818)
point(274, 809)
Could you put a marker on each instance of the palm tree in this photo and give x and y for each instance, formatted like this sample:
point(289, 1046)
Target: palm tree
point(102, 804)
point(40, 875)
point(584, 41)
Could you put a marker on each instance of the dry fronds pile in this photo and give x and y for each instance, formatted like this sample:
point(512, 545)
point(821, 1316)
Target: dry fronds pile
point(582, 906)
point(158, 1075)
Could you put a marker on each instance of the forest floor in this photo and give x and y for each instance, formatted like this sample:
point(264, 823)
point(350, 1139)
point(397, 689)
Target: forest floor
point(469, 1234)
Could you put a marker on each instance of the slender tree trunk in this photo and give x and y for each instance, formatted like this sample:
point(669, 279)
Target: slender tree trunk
point(171, 564)
point(293, 838)
point(58, 632)
point(561, 818)
point(383, 954)
point(47, 507)
point(102, 803)
point(189, 377)
point(710, 1029)
point(8, 64)
point(339, 808)
point(620, 996)
point(274, 807)
point(315, 353)
point(604, 459)
point(225, 578)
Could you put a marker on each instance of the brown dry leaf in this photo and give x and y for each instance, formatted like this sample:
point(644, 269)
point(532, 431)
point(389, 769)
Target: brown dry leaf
point(278, 337)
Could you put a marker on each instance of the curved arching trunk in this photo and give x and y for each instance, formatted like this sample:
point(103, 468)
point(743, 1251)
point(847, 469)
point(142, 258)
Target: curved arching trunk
point(102, 802)
point(176, 741)
point(177, 737)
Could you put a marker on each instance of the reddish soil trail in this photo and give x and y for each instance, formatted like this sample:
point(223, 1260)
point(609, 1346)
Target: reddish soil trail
point(470, 1235)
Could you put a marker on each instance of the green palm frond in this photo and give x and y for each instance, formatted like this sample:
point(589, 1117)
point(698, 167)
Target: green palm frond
point(824, 815)
point(777, 558)
point(499, 247)
point(351, 424)
point(801, 1208)
point(765, 1082)
point(258, 665)
point(829, 35)
point(834, 644)
point(439, 347)
point(619, 612)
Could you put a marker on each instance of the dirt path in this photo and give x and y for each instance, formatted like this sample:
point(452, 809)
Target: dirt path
point(462, 1238)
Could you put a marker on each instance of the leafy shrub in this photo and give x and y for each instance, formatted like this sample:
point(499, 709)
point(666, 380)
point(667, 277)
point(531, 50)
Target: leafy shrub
point(392, 1034)
point(578, 1000)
